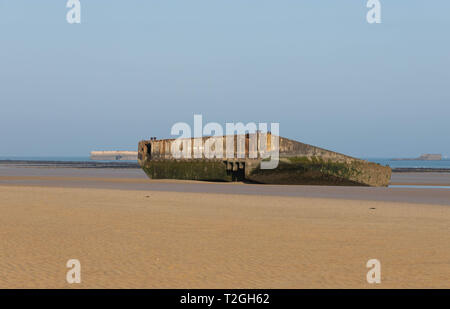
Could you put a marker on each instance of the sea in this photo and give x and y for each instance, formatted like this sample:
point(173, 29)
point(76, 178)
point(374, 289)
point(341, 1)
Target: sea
point(63, 159)
point(443, 164)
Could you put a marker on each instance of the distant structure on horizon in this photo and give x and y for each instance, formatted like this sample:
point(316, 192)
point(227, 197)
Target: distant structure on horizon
point(424, 157)
point(114, 155)
point(430, 156)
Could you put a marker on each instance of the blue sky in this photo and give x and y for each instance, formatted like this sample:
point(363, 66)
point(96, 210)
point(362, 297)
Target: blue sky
point(133, 68)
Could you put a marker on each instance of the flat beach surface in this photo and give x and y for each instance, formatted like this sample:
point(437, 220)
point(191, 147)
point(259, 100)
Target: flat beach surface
point(131, 232)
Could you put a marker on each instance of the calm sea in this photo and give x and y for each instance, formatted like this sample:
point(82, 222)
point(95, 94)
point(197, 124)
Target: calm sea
point(382, 161)
point(411, 163)
point(63, 159)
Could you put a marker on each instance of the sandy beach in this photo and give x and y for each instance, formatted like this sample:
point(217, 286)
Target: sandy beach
point(127, 238)
point(224, 145)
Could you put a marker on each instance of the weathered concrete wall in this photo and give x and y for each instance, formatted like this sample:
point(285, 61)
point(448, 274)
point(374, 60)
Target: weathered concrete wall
point(244, 146)
point(290, 148)
point(318, 171)
point(211, 170)
point(299, 163)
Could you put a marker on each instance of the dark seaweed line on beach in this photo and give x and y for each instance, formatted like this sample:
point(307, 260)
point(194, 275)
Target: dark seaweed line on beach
point(420, 170)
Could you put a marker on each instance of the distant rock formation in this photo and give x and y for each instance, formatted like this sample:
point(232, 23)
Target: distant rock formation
point(429, 156)
point(424, 157)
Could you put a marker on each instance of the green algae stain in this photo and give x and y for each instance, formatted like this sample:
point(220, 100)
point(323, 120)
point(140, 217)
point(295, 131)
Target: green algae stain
point(309, 170)
point(187, 169)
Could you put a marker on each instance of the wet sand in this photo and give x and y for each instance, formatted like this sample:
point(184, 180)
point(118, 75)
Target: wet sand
point(421, 179)
point(135, 179)
point(130, 232)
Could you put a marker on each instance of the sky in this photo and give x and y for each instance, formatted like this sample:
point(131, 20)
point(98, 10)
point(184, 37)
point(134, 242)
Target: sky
point(131, 69)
